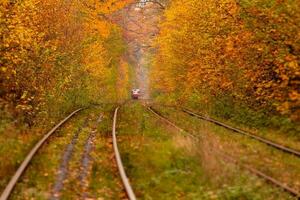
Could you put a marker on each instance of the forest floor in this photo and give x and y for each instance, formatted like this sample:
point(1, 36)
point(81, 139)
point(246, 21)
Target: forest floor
point(160, 161)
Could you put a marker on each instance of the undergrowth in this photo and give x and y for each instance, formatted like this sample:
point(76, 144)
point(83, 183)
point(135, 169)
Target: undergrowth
point(164, 164)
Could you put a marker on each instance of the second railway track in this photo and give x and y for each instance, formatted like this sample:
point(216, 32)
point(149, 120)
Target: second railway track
point(227, 157)
point(248, 134)
point(268, 142)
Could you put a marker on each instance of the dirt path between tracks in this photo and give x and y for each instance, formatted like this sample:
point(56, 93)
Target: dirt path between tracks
point(76, 163)
point(63, 169)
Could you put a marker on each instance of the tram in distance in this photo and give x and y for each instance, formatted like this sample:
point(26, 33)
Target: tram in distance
point(135, 93)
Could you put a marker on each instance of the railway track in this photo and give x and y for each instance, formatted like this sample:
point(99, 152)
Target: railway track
point(121, 169)
point(22, 168)
point(248, 134)
point(230, 158)
point(129, 191)
point(268, 142)
point(13, 181)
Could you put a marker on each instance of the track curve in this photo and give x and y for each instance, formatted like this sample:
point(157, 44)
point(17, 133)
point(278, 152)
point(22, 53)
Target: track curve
point(121, 169)
point(13, 181)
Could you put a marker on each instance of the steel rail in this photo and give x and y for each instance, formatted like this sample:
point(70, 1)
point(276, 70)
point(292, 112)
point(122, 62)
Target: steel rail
point(233, 160)
point(251, 135)
point(170, 123)
point(262, 175)
point(13, 181)
point(273, 144)
point(121, 169)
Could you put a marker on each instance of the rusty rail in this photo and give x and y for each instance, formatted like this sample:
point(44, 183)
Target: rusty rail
point(13, 181)
point(233, 160)
point(251, 135)
point(121, 169)
point(273, 144)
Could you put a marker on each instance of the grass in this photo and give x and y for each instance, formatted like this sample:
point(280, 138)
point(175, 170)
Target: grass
point(104, 180)
point(164, 164)
point(160, 162)
point(15, 142)
point(285, 132)
point(13, 149)
point(260, 122)
point(271, 161)
point(278, 128)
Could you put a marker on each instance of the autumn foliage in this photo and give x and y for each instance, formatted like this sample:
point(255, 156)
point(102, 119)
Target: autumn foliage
point(244, 52)
point(55, 55)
